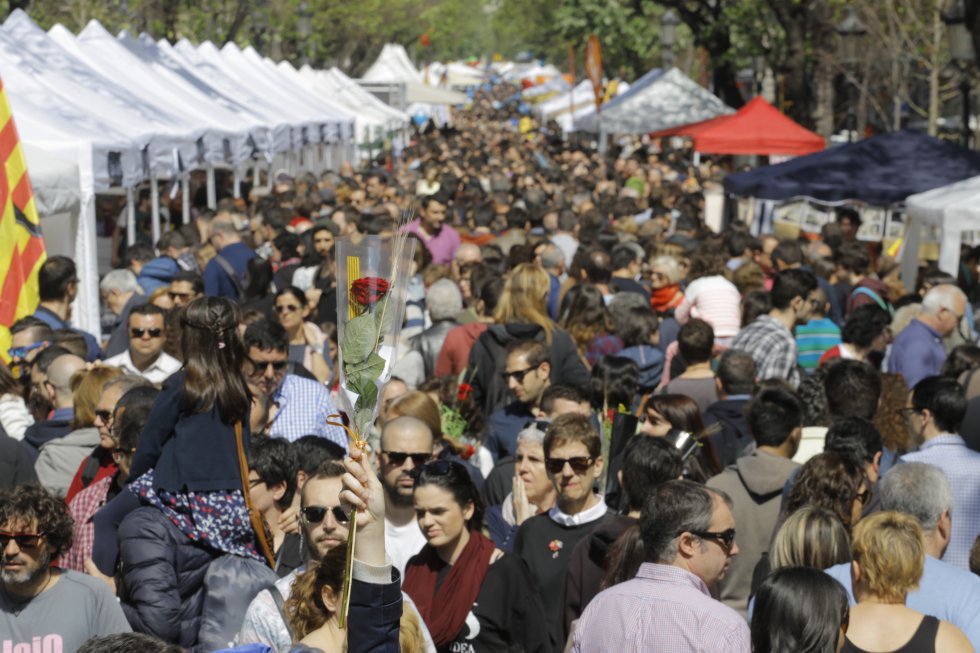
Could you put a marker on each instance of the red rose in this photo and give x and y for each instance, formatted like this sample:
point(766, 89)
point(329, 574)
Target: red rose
point(369, 290)
point(468, 452)
point(464, 391)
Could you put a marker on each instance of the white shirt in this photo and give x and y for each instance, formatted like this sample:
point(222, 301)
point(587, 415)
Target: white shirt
point(402, 542)
point(584, 517)
point(158, 371)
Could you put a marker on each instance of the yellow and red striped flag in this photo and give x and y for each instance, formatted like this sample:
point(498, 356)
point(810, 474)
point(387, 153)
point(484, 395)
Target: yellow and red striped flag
point(21, 244)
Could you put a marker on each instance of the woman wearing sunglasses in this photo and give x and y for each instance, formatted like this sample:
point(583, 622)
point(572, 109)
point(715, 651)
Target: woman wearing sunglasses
point(467, 590)
point(306, 340)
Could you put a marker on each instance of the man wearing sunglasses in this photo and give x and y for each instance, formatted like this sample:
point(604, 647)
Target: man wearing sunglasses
point(573, 459)
point(527, 371)
point(297, 406)
point(29, 336)
point(406, 445)
point(688, 535)
point(145, 356)
point(40, 603)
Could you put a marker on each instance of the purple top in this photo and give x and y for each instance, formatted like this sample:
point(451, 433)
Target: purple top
point(917, 352)
point(442, 246)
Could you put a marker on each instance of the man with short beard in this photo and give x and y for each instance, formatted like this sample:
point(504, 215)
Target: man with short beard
point(43, 606)
point(406, 443)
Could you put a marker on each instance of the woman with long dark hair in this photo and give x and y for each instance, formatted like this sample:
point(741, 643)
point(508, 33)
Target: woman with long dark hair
point(306, 340)
point(668, 415)
point(799, 610)
point(187, 461)
point(466, 589)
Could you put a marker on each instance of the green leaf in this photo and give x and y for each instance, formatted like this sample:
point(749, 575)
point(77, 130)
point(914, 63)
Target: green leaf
point(369, 370)
point(384, 316)
point(360, 339)
point(366, 403)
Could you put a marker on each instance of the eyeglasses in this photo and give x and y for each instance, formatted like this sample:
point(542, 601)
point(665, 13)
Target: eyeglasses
point(398, 458)
point(316, 514)
point(864, 497)
point(437, 468)
point(139, 333)
point(262, 366)
point(292, 308)
point(725, 538)
point(22, 352)
point(579, 464)
point(23, 540)
point(519, 374)
point(105, 416)
point(908, 412)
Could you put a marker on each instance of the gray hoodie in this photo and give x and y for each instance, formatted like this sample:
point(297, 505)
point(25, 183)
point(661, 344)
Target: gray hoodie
point(59, 459)
point(755, 484)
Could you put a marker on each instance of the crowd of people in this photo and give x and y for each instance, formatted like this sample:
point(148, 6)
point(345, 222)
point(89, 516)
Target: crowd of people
point(608, 427)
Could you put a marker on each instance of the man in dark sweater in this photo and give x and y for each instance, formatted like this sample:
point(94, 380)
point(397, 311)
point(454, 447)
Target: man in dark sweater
point(724, 420)
point(545, 542)
point(647, 462)
point(224, 275)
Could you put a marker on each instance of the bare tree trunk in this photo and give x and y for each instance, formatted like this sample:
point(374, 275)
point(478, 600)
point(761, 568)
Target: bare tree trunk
point(937, 36)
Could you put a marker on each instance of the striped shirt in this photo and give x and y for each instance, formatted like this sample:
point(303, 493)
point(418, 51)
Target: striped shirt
point(715, 300)
point(664, 608)
point(813, 339)
point(961, 465)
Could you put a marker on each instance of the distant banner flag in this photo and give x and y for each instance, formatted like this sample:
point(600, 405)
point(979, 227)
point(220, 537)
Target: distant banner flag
point(21, 244)
point(593, 67)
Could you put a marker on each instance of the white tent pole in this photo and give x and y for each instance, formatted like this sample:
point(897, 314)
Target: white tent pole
point(130, 217)
point(185, 198)
point(237, 191)
point(155, 199)
point(212, 191)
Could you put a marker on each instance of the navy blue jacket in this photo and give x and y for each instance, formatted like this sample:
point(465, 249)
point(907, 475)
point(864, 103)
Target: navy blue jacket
point(188, 451)
point(217, 283)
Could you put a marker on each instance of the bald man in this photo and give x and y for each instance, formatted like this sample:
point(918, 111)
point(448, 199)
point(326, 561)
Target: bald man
point(59, 458)
point(56, 386)
point(406, 443)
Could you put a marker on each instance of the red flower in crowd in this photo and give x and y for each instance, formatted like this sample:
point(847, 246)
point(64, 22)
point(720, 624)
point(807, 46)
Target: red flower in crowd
point(468, 452)
point(369, 290)
point(464, 391)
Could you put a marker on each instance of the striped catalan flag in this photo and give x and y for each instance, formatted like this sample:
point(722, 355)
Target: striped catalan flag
point(21, 245)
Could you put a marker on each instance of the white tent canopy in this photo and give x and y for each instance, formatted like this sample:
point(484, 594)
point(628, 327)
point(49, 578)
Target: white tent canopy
point(953, 209)
point(671, 99)
point(582, 96)
point(394, 66)
point(453, 75)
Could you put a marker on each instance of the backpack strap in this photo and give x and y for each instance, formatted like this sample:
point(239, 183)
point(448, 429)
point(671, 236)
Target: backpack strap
point(230, 271)
point(90, 471)
point(281, 606)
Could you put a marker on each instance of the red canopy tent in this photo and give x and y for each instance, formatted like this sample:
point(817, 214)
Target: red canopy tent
point(756, 128)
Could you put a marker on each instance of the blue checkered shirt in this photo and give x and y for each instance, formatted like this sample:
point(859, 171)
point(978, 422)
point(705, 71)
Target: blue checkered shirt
point(772, 347)
point(962, 468)
point(304, 407)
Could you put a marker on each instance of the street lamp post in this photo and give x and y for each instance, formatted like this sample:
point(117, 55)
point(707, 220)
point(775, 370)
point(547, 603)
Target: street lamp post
point(962, 53)
point(668, 37)
point(851, 32)
point(304, 28)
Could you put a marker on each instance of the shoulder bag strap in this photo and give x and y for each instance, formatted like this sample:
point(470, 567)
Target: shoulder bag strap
point(281, 606)
point(230, 271)
point(260, 535)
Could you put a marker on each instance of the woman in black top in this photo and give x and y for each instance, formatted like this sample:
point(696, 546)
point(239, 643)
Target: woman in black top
point(472, 596)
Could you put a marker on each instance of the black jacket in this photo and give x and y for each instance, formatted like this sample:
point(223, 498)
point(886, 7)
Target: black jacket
point(16, 466)
point(732, 438)
point(163, 577)
point(188, 451)
point(489, 357)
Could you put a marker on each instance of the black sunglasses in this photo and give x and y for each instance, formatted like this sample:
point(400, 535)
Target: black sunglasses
point(282, 308)
point(398, 458)
point(725, 538)
point(139, 333)
point(579, 464)
point(316, 514)
point(105, 416)
point(437, 468)
point(277, 366)
point(23, 540)
point(518, 376)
